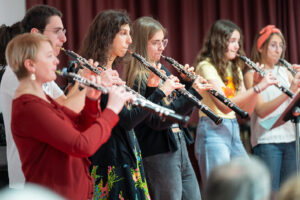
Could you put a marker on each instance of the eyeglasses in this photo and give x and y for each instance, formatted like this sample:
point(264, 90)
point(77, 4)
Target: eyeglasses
point(57, 31)
point(274, 47)
point(157, 43)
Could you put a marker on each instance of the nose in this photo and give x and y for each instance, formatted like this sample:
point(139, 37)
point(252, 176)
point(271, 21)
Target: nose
point(278, 49)
point(237, 46)
point(63, 38)
point(56, 61)
point(161, 47)
point(129, 40)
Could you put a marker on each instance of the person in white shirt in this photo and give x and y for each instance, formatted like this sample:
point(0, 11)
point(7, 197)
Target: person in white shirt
point(276, 147)
point(39, 19)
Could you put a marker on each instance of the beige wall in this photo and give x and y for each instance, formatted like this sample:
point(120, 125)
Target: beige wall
point(11, 11)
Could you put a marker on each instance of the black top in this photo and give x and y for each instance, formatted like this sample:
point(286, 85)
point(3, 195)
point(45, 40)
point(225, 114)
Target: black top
point(116, 166)
point(160, 139)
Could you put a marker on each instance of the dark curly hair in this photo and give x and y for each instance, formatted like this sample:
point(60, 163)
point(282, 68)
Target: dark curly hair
point(101, 34)
point(215, 47)
point(7, 33)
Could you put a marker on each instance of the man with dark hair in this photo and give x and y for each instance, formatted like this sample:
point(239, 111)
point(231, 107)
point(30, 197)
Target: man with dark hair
point(242, 178)
point(38, 17)
point(45, 20)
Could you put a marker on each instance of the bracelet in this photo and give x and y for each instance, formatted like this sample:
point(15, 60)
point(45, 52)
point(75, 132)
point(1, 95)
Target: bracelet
point(256, 89)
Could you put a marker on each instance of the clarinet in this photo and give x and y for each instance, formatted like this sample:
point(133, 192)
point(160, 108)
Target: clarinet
point(252, 65)
point(205, 109)
point(84, 62)
point(81, 60)
point(140, 102)
point(288, 66)
point(82, 80)
point(222, 98)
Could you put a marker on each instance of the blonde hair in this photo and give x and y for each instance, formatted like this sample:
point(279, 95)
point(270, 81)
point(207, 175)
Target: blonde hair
point(290, 189)
point(143, 30)
point(238, 179)
point(21, 48)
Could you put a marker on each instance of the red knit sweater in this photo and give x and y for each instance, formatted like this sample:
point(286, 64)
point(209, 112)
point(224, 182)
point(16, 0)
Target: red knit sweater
point(54, 143)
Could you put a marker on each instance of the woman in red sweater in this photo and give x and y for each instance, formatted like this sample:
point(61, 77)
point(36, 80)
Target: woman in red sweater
point(53, 141)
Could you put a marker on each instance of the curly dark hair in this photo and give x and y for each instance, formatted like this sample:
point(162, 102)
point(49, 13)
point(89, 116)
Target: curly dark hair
point(101, 34)
point(215, 47)
point(7, 33)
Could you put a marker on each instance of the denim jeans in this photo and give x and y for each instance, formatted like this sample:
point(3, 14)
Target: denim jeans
point(280, 158)
point(170, 176)
point(217, 144)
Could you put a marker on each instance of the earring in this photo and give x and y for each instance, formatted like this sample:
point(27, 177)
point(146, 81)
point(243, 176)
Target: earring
point(32, 77)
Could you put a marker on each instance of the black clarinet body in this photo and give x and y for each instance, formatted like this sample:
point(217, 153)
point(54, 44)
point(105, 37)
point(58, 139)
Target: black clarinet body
point(205, 109)
point(222, 98)
point(252, 65)
point(84, 62)
point(288, 66)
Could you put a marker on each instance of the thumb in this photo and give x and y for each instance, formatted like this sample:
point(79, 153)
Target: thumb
point(158, 66)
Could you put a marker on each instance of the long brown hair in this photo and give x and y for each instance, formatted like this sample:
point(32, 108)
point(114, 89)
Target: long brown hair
point(256, 55)
point(215, 47)
point(143, 29)
point(101, 34)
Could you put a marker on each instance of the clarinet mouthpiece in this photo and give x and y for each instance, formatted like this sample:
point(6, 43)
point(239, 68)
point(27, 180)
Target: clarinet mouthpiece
point(62, 72)
point(58, 72)
point(241, 57)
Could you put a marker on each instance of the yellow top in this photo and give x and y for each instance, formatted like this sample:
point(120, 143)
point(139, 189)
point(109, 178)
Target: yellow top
point(209, 72)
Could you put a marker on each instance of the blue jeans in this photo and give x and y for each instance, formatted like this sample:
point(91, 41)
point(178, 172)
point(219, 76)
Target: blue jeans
point(280, 158)
point(217, 144)
point(170, 176)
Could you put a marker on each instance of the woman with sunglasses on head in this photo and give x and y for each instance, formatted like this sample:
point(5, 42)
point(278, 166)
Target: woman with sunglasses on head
point(169, 172)
point(117, 166)
point(218, 63)
point(276, 147)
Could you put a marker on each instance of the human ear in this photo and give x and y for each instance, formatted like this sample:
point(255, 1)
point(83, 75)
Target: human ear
point(35, 30)
point(29, 65)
